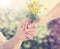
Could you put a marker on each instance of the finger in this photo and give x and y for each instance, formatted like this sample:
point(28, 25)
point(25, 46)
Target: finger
point(29, 36)
point(31, 26)
point(25, 22)
point(31, 32)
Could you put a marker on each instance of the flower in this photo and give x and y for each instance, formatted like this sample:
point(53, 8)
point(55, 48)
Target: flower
point(46, 9)
point(33, 7)
point(29, 8)
point(34, 2)
point(34, 11)
point(36, 7)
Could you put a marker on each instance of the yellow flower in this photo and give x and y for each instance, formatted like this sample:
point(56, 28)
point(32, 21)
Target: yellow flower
point(35, 7)
point(34, 11)
point(33, 2)
point(29, 8)
point(46, 9)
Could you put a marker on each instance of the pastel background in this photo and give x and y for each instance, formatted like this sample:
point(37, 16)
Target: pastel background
point(12, 14)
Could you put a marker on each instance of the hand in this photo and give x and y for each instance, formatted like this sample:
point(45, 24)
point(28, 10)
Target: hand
point(26, 30)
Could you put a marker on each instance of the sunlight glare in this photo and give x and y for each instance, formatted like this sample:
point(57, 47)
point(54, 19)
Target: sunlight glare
point(5, 3)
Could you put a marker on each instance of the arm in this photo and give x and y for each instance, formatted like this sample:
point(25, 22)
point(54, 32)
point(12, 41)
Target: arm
point(2, 39)
point(54, 13)
point(12, 43)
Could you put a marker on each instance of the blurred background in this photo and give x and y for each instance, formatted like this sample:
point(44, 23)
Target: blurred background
point(13, 12)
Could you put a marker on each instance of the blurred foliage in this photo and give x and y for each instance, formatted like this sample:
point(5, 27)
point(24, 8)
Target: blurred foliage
point(34, 44)
point(9, 22)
